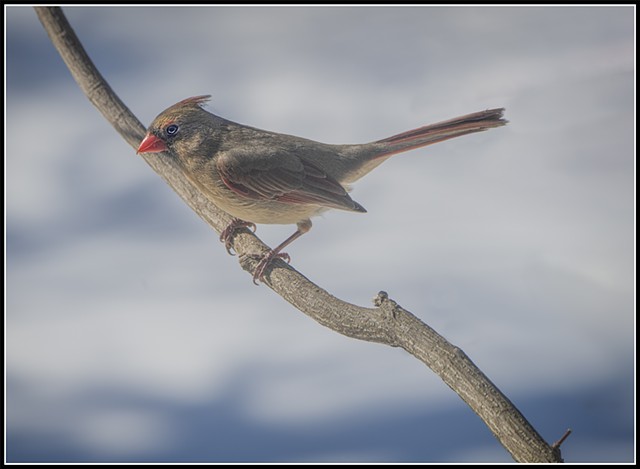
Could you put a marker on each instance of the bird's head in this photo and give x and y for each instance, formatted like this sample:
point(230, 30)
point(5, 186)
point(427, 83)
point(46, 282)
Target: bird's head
point(180, 125)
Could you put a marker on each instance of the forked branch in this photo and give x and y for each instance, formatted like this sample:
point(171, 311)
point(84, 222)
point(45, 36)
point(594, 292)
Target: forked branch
point(386, 323)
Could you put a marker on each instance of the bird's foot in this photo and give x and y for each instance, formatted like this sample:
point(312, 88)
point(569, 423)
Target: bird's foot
point(265, 260)
point(227, 234)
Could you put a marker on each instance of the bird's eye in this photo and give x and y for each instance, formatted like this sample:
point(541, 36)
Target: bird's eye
point(171, 129)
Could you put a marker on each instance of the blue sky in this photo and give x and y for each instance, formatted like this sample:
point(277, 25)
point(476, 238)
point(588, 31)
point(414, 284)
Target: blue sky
point(131, 335)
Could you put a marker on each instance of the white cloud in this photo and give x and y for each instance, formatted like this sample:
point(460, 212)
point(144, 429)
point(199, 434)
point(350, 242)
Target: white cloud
point(502, 241)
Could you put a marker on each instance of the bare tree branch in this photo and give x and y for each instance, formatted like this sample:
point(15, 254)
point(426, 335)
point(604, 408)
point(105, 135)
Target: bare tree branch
point(387, 323)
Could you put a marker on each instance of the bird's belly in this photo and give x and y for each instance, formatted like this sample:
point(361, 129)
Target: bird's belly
point(269, 212)
point(257, 210)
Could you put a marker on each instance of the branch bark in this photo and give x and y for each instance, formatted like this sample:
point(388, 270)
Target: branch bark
point(386, 323)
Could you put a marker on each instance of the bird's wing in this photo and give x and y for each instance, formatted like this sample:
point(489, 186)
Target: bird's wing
point(281, 176)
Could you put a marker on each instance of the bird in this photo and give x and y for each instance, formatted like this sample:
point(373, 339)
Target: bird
point(263, 177)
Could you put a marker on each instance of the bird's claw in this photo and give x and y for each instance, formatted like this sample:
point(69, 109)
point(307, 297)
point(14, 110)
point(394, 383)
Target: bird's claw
point(265, 261)
point(227, 234)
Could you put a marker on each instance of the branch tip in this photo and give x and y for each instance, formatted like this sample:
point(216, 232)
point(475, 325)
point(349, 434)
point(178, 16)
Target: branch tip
point(557, 444)
point(380, 298)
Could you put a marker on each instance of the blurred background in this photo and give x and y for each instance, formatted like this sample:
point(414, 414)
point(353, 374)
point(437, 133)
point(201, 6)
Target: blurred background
point(131, 335)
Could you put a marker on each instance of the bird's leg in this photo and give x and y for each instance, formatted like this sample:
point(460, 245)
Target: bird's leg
point(230, 230)
point(303, 227)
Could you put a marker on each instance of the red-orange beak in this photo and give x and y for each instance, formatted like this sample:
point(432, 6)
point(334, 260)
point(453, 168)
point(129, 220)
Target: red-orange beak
point(151, 144)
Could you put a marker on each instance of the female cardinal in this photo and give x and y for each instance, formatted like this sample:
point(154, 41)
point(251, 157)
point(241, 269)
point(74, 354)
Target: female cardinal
point(265, 177)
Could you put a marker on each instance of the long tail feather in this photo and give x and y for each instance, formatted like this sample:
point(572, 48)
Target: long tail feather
point(420, 137)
